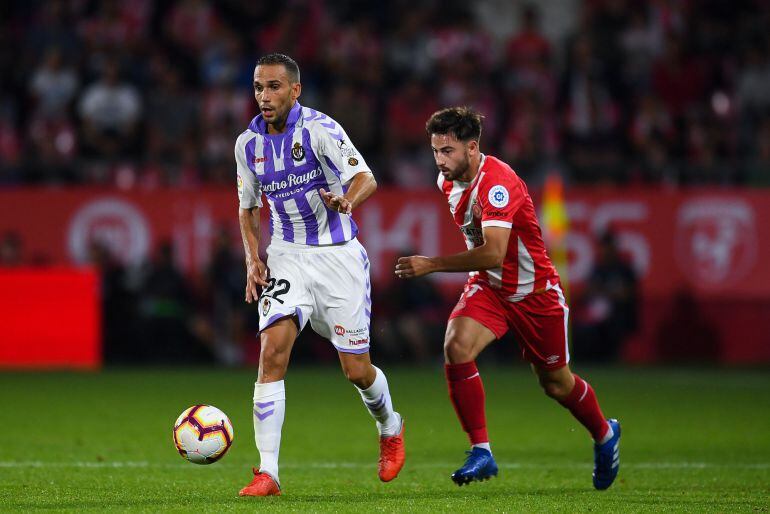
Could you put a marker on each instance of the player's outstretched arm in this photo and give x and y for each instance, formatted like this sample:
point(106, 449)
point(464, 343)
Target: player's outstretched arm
point(256, 271)
point(490, 255)
point(362, 186)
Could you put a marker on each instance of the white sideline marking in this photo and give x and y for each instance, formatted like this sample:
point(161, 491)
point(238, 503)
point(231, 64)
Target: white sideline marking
point(360, 465)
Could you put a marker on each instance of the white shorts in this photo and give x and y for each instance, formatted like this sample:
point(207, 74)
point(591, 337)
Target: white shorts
point(327, 285)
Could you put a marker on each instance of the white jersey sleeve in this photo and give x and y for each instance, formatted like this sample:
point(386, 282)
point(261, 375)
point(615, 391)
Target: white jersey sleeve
point(336, 151)
point(249, 187)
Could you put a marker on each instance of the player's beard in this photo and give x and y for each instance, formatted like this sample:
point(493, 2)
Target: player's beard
point(279, 118)
point(462, 167)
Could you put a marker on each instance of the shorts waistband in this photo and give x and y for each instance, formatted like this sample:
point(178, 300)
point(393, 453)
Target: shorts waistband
point(284, 246)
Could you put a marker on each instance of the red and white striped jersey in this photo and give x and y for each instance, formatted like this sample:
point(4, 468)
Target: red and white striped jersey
point(497, 197)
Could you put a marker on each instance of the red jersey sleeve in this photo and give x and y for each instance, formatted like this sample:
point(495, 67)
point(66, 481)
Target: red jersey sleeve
point(500, 197)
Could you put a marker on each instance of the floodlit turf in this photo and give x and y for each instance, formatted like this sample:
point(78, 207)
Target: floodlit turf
point(693, 440)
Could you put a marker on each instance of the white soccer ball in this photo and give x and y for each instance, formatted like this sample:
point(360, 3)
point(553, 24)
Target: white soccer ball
point(203, 434)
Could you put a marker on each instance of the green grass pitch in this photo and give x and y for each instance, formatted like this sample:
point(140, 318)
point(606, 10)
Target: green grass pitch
point(693, 440)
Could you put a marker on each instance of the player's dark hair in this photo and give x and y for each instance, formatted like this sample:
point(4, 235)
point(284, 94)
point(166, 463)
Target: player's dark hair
point(462, 122)
point(292, 68)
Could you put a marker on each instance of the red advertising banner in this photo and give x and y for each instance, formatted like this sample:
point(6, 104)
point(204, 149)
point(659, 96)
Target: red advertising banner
point(50, 318)
point(710, 242)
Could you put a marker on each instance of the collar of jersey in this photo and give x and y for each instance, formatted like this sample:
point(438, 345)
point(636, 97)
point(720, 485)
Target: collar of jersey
point(259, 126)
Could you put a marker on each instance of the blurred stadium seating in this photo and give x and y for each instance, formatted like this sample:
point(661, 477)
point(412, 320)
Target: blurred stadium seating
point(118, 119)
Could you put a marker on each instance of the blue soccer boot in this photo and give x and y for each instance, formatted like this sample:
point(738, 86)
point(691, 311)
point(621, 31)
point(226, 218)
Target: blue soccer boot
point(479, 465)
point(607, 458)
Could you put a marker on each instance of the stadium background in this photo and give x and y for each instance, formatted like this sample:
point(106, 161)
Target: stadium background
point(117, 121)
point(641, 127)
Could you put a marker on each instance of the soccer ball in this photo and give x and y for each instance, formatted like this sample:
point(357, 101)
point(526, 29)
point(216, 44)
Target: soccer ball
point(203, 434)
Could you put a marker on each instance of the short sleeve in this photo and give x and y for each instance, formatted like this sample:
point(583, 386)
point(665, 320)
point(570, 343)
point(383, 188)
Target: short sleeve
point(500, 201)
point(249, 187)
point(337, 151)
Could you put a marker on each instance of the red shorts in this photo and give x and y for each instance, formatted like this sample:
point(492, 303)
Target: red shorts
point(539, 321)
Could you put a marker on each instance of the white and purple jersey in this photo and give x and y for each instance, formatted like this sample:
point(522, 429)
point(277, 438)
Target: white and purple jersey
point(289, 168)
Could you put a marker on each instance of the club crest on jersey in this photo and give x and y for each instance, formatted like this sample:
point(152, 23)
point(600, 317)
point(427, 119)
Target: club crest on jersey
point(498, 196)
point(353, 161)
point(297, 152)
point(265, 306)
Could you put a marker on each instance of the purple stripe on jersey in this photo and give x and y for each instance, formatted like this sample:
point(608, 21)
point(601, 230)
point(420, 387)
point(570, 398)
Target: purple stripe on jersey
point(331, 165)
point(308, 216)
point(267, 153)
point(335, 225)
point(250, 146)
point(287, 230)
point(288, 138)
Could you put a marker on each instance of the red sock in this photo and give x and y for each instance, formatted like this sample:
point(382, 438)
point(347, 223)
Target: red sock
point(467, 394)
point(582, 403)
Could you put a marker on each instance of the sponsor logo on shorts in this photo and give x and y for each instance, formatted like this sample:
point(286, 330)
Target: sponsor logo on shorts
point(553, 359)
point(498, 196)
point(339, 330)
point(358, 342)
point(265, 306)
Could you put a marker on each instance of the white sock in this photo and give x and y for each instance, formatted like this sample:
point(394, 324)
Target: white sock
point(483, 445)
point(377, 399)
point(608, 435)
point(269, 410)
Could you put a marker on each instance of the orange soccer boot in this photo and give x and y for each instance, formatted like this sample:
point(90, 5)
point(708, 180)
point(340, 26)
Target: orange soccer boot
point(262, 485)
point(392, 455)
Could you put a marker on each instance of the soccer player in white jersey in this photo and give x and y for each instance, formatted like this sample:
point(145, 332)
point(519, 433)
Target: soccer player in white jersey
point(313, 179)
point(512, 286)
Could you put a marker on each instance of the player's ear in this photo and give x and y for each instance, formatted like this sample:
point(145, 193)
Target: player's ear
point(296, 90)
point(473, 147)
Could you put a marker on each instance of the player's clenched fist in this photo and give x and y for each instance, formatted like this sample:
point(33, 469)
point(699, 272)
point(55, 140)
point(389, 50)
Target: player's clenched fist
point(256, 277)
point(414, 266)
point(336, 202)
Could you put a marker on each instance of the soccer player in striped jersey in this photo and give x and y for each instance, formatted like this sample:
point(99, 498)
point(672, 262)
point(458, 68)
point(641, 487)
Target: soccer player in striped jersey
point(512, 286)
point(316, 270)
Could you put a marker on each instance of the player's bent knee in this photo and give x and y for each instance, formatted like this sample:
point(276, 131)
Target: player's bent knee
point(458, 349)
point(555, 390)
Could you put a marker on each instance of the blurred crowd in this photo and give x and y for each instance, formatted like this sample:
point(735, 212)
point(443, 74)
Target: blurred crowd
point(146, 94)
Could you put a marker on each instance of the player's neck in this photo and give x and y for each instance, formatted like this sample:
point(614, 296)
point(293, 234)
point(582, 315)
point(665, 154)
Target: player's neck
point(277, 128)
point(473, 169)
